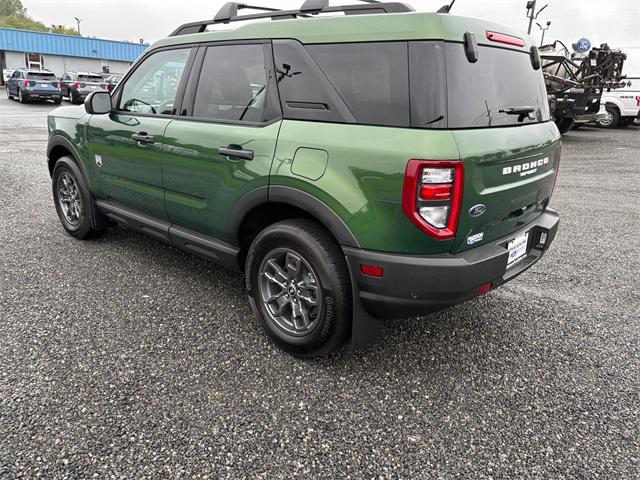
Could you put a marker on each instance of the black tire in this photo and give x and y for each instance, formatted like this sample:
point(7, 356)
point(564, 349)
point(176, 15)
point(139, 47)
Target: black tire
point(331, 317)
point(81, 226)
point(626, 121)
point(564, 124)
point(9, 96)
point(21, 98)
point(613, 121)
point(73, 99)
point(58, 101)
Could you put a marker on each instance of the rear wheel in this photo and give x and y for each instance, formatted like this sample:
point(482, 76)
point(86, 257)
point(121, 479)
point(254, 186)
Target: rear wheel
point(21, 97)
point(73, 200)
point(74, 99)
point(298, 283)
point(611, 120)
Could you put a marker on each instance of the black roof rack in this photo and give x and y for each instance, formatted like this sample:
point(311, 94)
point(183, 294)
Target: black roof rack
point(229, 13)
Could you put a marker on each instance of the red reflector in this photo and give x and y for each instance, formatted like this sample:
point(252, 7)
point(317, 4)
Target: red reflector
point(436, 192)
point(486, 288)
point(506, 39)
point(371, 271)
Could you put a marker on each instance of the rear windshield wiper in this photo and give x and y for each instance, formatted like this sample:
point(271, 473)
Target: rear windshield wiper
point(522, 112)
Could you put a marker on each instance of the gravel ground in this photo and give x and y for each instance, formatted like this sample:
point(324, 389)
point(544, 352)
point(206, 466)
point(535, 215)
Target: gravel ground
point(123, 357)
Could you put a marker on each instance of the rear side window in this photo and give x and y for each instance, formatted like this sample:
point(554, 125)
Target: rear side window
point(305, 91)
point(233, 85)
point(372, 78)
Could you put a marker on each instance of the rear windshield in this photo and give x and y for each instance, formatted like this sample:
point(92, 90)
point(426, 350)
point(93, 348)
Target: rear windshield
point(421, 84)
point(41, 77)
point(90, 78)
point(501, 79)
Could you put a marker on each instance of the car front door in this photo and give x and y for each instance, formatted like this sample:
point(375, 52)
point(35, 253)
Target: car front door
point(222, 145)
point(125, 147)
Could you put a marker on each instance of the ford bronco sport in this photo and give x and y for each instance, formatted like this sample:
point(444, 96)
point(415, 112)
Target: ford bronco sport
point(355, 162)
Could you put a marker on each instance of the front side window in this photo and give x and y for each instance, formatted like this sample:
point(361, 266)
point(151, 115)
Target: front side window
point(152, 88)
point(233, 85)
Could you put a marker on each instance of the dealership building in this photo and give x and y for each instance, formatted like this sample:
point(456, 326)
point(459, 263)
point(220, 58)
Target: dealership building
point(64, 53)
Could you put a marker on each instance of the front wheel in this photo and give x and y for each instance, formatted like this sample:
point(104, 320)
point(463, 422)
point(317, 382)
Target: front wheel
point(9, 96)
point(73, 200)
point(298, 283)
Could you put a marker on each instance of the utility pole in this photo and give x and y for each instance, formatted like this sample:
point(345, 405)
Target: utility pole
point(532, 14)
point(79, 21)
point(544, 30)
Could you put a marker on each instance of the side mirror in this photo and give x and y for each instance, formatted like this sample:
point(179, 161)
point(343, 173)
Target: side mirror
point(98, 103)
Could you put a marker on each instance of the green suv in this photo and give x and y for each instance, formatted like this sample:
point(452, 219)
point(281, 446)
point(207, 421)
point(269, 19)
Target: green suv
point(356, 162)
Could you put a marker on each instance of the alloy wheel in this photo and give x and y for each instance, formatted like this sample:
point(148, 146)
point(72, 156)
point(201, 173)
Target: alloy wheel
point(290, 292)
point(607, 120)
point(69, 199)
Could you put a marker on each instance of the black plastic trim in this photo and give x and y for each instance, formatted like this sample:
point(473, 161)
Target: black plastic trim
point(417, 285)
point(317, 208)
point(192, 242)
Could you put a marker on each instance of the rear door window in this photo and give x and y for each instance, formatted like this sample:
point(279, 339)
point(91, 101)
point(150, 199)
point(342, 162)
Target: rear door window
point(372, 78)
point(233, 85)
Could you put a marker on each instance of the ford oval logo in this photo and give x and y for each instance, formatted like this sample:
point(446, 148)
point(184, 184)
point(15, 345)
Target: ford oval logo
point(478, 210)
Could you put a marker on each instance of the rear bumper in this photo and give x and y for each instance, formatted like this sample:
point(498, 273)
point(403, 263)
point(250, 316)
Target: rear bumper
point(41, 95)
point(417, 285)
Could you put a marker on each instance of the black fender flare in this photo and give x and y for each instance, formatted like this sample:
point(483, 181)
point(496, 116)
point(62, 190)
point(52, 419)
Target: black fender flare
point(60, 141)
point(296, 198)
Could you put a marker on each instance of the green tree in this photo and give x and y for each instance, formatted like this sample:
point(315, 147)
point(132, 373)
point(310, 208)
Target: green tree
point(10, 8)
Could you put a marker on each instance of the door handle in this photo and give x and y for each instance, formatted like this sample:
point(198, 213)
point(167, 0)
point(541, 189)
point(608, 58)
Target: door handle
point(236, 153)
point(143, 137)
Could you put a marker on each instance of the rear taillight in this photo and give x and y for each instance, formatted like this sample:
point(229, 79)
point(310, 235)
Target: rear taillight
point(26, 84)
point(59, 84)
point(76, 85)
point(105, 86)
point(432, 196)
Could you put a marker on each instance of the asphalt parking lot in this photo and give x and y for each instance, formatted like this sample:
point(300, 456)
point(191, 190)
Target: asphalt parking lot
point(124, 357)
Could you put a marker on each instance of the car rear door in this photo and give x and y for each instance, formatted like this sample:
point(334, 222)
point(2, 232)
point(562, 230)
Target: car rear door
point(222, 145)
point(125, 147)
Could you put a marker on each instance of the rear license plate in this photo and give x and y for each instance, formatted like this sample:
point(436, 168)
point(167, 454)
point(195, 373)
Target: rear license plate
point(517, 249)
point(43, 85)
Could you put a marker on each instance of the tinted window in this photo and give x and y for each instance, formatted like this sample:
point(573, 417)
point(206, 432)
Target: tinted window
point(373, 79)
point(233, 84)
point(305, 92)
point(428, 85)
point(90, 78)
point(42, 77)
point(152, 88)
point(500, 79)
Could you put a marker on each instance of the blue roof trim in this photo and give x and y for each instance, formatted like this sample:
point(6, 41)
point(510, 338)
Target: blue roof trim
point(69, 45)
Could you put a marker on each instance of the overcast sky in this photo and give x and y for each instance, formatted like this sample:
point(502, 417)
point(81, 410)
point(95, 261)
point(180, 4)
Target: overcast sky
point(616, 22)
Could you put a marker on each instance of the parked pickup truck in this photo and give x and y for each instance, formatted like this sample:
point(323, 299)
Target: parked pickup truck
point(623, 105)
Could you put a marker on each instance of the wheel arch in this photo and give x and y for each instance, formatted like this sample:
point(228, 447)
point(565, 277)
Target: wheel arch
point(267, 205)
point(59, 147)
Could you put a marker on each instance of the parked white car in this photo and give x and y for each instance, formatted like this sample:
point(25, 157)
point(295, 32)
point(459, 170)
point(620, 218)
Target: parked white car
point(623, 105)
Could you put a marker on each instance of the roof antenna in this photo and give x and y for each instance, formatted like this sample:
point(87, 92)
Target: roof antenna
point(447, 8)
